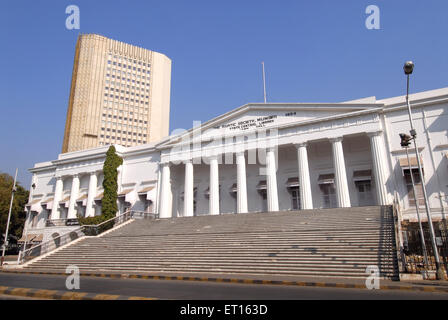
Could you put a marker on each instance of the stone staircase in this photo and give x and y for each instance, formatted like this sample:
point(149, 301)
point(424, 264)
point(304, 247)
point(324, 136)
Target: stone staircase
point(322, 242)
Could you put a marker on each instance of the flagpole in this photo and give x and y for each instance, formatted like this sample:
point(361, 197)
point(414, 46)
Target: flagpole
point(264, 83)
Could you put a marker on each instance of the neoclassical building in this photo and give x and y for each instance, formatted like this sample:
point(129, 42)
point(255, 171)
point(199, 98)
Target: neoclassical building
point(260, 157)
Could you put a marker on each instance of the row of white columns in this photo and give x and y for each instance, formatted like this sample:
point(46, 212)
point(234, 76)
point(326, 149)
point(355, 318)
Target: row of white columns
point(340, 175)
point(74, 194)
point(341, 182)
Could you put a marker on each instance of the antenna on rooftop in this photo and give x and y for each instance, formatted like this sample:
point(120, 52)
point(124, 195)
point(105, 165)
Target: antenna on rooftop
point(264, 83)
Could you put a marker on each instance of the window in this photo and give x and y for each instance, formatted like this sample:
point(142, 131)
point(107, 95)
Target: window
point(364, 189)
point(33, 219)
point(329, 195)
point(264, 196)
point(418, 187)
point(295, 198)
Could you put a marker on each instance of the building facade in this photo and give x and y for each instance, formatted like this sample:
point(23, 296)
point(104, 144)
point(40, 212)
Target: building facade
point(261, 157)
point(120, 94)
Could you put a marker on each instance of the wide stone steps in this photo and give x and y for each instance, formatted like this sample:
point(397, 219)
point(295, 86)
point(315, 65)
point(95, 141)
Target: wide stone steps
point(159, 228)
point(291, 264)
point(330, 242)
point(226, 264)
point(286, 235)
point(306, 271)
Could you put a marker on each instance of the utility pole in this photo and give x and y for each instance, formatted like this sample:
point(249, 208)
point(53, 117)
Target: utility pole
point(405, 142)
point(408, 69)
point(5, 242)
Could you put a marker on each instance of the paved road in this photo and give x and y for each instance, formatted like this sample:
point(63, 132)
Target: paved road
point(170, 289)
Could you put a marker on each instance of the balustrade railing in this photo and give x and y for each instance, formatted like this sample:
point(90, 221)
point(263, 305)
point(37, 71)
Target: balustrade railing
point(61, 222)
point(144, 215)
point(84, 230)
point(410, 248)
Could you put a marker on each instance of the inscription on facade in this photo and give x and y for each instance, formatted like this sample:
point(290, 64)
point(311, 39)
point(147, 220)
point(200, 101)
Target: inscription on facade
point(259, 122)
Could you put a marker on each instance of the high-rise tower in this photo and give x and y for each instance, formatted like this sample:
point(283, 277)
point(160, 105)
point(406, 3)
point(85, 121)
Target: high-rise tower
point(120, 94)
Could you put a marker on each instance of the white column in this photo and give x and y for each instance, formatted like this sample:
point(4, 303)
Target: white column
point(188, 189)
point(165, 195)
point(340, 175)
point(271, 180)
point(306, 198)
point(241, 183)
point(214, 186)
point(73, 196)
point(91, 194)
point(379, 166)
point(57, 197)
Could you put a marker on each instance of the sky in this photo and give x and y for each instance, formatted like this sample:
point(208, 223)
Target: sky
point(314, 51)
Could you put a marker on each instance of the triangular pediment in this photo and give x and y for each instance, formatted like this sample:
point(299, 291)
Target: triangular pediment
point(253, 117)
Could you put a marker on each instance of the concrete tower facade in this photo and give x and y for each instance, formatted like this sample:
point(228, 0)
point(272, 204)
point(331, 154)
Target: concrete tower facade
point(120, 94)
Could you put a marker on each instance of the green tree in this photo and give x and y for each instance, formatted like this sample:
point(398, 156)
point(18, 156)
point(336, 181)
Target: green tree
point(18, 206)
point(109, 206)
point(110, 183)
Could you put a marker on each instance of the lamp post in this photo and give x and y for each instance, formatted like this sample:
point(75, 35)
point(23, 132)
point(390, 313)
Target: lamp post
point(408, 69)
point(5, 241)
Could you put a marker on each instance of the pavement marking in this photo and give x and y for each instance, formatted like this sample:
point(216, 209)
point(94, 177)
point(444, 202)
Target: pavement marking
point(73, 295)
point(49, 294)
point(429, 288)
point(106, 297)
point(65, 295)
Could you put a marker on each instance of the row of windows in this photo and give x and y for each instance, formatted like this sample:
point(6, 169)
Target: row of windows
point(136, 108)
point(126, 92)
point(124, 139)
point(129, 60)
point(122, 78)
point(124, 118)
point(121, 143)
point(123, 98)
point(124, 74)
point(123, 132)
point(122, 85)
point(125, 113)
point(128, 66)
point(122, 125)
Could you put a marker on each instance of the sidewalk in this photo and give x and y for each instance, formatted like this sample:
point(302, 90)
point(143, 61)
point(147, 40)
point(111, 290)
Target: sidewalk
point(327, 282)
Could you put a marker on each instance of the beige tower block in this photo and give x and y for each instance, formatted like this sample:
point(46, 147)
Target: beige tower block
point(120, 94)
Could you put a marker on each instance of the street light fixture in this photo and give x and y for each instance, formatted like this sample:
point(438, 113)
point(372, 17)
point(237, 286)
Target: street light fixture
point(408, 69)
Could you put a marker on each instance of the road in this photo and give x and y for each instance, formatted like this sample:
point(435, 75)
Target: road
point(195, 290)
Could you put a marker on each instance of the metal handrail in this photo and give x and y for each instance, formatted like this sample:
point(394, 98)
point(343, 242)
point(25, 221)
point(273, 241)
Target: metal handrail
point(398, 234)
point(58, 222)
point(84, 230)
point(145, 214)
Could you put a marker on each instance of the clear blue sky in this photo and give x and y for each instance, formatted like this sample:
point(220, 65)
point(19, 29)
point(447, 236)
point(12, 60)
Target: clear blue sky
point(314, 51)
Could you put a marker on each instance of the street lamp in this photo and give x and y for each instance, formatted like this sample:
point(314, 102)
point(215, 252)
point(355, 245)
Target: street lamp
point(408, 69)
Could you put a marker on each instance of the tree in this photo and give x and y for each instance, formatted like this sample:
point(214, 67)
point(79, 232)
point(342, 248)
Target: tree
point(110, 183)
point(109, 206)
point(18, 206)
